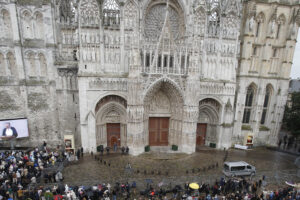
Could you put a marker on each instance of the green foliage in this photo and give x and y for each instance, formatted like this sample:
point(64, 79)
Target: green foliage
point(246, 127)
point(263, 128)
point(291, 118)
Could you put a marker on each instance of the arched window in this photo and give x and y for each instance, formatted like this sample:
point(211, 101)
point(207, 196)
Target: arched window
point(111, 13)
point(199, 21)
point(89, 13)
point(2, 65)
point(266, 104)
point(280, 23)
point(260, 20)
point(5, 23)
point(32, 65)
point(214, 23)
point(43, 65)
point(27, 26)
point(248, 103)
point(12, 64)
point(130, 15)
point(39, 26)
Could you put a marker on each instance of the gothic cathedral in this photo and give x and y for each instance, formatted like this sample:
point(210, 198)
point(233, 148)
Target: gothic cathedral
point(137, 73)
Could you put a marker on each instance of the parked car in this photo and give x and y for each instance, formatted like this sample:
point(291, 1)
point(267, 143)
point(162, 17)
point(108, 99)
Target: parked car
point(240, 168)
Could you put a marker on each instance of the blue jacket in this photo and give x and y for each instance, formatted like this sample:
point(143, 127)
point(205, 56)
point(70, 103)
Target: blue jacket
point(15, 134)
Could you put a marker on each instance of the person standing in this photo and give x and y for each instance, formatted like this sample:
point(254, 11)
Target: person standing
point(10, 132)
point(107, 150)
point(115, 147)
point(81, 149)
point(45, 145)
point(78, 153)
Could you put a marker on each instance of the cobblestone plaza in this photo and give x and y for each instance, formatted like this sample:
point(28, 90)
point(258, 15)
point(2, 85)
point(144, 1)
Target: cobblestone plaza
point(180, 168)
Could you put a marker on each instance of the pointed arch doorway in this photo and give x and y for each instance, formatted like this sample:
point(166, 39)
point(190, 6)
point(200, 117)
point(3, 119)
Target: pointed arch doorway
point(111, 125)
point(208, 120)
point(163, 106)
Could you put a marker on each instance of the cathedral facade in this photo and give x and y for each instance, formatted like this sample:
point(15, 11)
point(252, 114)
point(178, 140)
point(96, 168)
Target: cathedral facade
point(137, 73)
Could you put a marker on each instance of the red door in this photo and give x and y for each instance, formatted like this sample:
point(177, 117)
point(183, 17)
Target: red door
point(158, 131)
point(113, 134)
point(201, 134)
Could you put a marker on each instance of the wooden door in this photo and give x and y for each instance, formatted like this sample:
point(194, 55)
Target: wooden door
point(113, 134)
point(158, 131)
point(201, 134)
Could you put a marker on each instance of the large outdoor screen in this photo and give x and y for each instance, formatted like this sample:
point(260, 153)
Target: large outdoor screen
point(14, 127)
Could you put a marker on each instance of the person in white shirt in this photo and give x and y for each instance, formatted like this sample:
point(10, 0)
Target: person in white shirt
point(9, 131)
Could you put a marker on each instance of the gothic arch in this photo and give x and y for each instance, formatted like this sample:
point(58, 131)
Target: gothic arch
point(131, 14)
point(89, 13)
point(208, 121)
point(200, 20)
point(111, 13)
point(281, 19)
point(261, 17)
point(270, 87)
point(212, 108)
point(110, 109)
point(253, 85)
point(164, 99)
point(156, 85)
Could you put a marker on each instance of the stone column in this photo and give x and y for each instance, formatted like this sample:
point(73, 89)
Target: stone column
point(189, 126)
point(135, 108)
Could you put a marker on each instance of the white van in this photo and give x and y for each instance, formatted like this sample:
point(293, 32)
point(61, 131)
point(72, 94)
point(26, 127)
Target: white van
point(240, 168)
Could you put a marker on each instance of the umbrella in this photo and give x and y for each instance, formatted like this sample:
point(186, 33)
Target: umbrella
point(194, 186)
point(296, 185)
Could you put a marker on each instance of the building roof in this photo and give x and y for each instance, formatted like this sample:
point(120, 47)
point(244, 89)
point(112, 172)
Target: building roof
point(294, 85)
point(235, 164)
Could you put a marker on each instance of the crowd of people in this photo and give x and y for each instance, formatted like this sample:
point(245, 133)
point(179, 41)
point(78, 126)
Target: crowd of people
point(21, 169)
point(28, 175)
point(231, 189)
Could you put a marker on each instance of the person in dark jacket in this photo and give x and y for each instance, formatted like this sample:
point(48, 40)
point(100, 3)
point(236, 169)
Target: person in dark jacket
point(9, 131)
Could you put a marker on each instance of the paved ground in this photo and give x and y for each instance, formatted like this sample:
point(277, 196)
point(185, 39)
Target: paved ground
point(172, 169)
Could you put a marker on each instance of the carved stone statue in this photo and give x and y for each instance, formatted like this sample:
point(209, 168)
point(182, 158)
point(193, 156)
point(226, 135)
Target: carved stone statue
point(251, 24)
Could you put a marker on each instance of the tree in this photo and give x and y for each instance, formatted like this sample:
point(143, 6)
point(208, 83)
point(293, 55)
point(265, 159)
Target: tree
point(291, 118)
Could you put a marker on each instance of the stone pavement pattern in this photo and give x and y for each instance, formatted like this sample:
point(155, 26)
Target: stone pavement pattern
point(278, 167)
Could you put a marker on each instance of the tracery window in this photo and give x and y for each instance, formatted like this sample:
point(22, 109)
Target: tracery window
point(214, 23)
point(89, 13)
point(248, 104)
point(130, 15)
point(111, 13)
point(266, 104)
point(155, 20)
point(200, 18)
point(280, 23)
point(260, 20)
